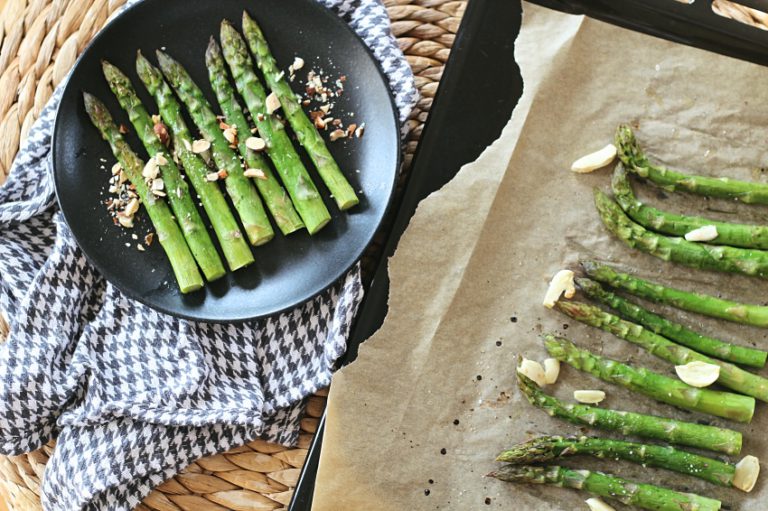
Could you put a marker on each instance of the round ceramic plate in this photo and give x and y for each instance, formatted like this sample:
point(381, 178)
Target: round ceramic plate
point(288, 270)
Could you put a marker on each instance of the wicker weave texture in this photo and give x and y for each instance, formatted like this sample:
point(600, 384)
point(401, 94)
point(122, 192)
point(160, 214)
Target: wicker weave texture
point(35, 55)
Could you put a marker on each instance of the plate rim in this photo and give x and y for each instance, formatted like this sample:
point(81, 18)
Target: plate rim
point(130, 293)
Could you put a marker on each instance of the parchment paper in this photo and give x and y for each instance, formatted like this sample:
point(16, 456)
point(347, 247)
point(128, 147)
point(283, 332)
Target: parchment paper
point(472, 268)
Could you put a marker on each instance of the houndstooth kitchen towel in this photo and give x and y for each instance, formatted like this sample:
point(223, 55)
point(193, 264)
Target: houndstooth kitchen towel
point(134, 395)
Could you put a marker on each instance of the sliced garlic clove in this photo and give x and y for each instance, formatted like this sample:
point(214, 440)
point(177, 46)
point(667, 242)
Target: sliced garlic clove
point(591, 397)
point(532, 370)
point(704, 233)
point(746, 473)
point(698, 374)
point(598, 505)
point(594, 161)
point(551, 370)
point(561, 283)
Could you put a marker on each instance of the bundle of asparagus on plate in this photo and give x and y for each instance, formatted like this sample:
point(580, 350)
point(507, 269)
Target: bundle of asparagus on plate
point(228, 151)
point(700, 360)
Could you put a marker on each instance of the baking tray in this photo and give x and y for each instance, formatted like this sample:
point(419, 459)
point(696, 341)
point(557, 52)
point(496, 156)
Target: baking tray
point(480, 87)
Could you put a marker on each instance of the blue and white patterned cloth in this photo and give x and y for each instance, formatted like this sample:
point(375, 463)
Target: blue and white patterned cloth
point(134, 395)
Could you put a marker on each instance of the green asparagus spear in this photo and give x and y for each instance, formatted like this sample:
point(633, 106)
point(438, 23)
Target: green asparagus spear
point(175, 187)
point(305, 130)
point(168, 233)
point(703, 344)
point(756, 315)
point(657, 386)
point(233, 244)
point(277, 201)
point(636, 161)
point(673, 431)
point(734, 235)
point(731, 376)
point(644, 496)
point(287, 162)
point(547, 448)
point(242, 192)
point(695, 255)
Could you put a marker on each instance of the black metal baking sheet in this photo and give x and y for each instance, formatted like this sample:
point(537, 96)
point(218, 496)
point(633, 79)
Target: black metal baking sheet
point(480, 87)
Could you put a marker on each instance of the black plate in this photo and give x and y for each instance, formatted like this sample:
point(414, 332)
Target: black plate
point(288, 270)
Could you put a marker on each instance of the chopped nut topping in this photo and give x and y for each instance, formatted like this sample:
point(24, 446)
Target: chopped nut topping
point(125, 221)
point(158, 184)
point(212, 176)
point(149, 238)
point(151, 170)
point(255, 143)
point(200, 146)
point(116, 168)
point(158, 193)
point(223, 174)
point(140, 247)
point(325, 108)
point(260, 116)
point(298, 63)
point(351, 129)
point(337, 134)
point(223, 125)
point(162, 133)
point(359, 131)
point(161, 159)
point(132, 207)
point(156, 119)
point(122, 129)
point(257, 173)
point(319, 123)
point(231, 134)
point(273, 103)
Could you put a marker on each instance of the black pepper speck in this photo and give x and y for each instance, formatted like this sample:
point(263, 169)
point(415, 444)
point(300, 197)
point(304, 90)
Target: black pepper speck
point(443, 451)
point(455, 422)
point(426, 492)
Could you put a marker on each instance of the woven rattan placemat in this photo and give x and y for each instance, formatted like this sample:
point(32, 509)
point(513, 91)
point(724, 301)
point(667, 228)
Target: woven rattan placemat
point(40, 40)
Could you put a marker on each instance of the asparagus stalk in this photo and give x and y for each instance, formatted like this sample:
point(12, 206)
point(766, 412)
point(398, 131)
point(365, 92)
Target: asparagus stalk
point(242, 192)
point(703, 344)
point(756, 315)
point(673, 431)
point(233, 244)
point(277, 201)
point(731, 376)
point(657, 386)
point(175, 187)
point(735, 235)
point(633, 157)
point(644, 496)
point(695, 255)
point(547, 448)
point(305, 130)
point(287, 162)
point(168, 233)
